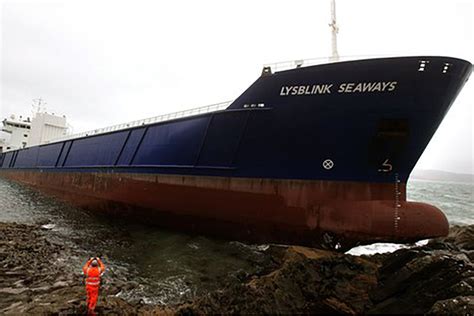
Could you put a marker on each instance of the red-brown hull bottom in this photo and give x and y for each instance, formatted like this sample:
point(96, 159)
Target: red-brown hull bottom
point(312, 213)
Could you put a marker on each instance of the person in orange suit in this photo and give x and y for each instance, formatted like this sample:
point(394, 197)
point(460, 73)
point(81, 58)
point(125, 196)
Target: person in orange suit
point(93, 270)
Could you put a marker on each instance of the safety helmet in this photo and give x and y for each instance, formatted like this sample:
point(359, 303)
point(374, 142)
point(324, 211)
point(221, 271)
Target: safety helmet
point(94, 263)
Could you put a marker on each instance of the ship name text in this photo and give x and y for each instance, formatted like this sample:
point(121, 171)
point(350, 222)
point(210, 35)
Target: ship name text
point(347, 87)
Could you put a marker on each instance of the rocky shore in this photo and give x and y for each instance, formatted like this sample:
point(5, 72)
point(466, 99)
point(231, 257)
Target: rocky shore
point(438, 278)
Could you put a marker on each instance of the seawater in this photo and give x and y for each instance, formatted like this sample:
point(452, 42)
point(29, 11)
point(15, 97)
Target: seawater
point(172, 267)
point(456, 200)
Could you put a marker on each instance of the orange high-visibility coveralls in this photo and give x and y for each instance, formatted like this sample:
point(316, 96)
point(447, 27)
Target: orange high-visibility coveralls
point(93, 275)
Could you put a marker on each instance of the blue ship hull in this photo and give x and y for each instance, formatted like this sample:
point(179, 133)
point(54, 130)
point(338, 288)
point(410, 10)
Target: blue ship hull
point(364, 121)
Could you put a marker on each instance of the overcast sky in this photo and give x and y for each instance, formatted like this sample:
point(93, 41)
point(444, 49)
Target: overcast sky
point(106, 62)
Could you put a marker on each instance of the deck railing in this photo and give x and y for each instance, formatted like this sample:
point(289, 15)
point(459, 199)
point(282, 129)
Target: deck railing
point(147, 121)
point(299, 63)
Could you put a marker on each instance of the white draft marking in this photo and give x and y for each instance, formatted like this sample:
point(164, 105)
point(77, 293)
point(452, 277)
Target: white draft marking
point(386, 166)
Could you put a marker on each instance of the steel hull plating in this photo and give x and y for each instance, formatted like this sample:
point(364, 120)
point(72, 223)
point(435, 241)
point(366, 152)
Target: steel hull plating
point(316, 155)
point(314, 213)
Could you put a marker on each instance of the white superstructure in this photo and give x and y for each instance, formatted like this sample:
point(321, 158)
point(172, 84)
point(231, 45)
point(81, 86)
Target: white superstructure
point(19, 133)
point(45, 127)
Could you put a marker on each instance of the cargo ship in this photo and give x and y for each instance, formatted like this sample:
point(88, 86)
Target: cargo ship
point(316, 155)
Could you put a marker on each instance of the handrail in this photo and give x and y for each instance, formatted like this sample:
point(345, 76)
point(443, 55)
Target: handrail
point(299, 63)
point(147, 121)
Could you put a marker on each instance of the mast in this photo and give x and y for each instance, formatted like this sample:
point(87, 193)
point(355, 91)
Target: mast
point(334, 31)
point(38, 106)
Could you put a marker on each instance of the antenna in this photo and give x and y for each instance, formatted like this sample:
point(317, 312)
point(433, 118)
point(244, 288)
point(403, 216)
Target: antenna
point(334, 31)
point(38, 106)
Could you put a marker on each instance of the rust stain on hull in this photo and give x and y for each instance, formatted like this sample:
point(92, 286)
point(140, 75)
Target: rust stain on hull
point(312, 213)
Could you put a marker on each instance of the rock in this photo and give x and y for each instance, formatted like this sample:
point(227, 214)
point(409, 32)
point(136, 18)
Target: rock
point(412, 280)
point(19, 283)
point(435, 278)
point(11, 307)
point(48, 226)
point(60, 284)
point(314, 281)
point(460, 305)
point(14, 273)
point(460, 236)
point(15, 291)
point(41, 289)
point(309, 281)
point(74, 301)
